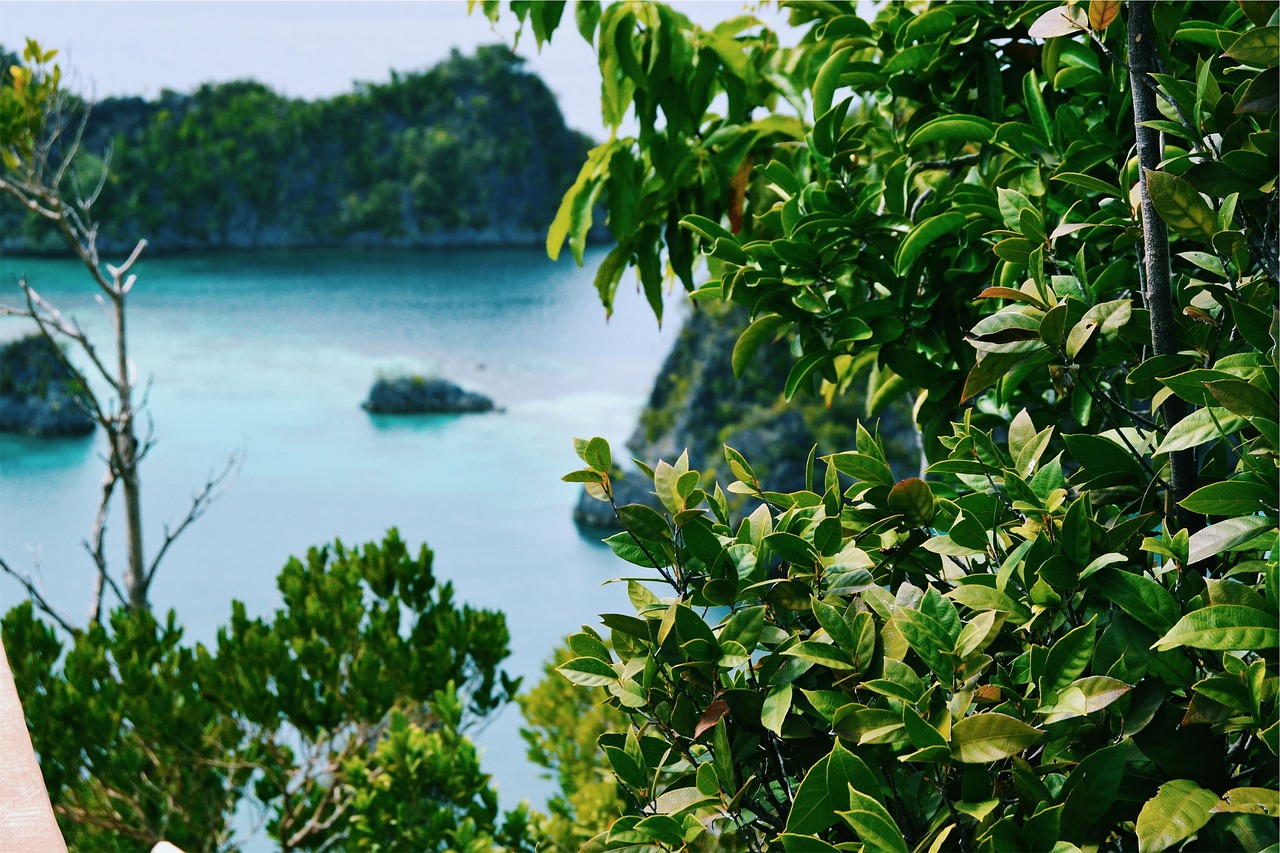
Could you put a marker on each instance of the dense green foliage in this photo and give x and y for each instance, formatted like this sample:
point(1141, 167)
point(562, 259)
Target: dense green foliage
point(472, 149)
point(1053, 227)
point(342, 718)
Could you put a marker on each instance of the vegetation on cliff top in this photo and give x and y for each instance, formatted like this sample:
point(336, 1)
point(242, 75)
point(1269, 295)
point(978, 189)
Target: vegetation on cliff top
point(473, 150)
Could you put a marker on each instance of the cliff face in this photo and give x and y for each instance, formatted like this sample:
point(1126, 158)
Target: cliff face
point(471, 152)
point(698, 404)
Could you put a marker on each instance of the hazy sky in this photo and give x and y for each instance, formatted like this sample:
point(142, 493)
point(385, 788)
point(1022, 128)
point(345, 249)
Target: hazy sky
point(301, 48)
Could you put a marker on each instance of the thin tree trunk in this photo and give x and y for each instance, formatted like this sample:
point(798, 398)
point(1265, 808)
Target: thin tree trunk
point(126, 453)
point(1158, 289)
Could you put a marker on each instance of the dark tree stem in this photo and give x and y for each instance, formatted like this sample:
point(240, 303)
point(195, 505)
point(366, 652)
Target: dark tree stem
point(1158, 289)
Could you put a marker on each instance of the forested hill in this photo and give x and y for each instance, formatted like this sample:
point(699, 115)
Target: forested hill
point(472, 151)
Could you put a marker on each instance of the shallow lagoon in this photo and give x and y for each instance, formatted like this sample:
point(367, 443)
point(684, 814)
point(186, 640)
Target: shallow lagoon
point(272, 353)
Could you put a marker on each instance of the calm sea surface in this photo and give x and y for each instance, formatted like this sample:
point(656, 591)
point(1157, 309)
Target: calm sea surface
point(272, 353)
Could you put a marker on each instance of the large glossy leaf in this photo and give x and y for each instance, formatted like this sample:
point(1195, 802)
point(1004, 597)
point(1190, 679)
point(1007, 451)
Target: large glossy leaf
point(1230, 497)
point(953, 128)
point(1140, 597)
point(913, 500)
point(863, 467)
point(1181, 206)
point(1223, 627)
point(1259, 47)
point(588, 671)
point(1200, 427)
point(984, 738)
point(1216, 538)
point(924, 235)
point(873, 824)
point(1069, 657)
point(762, 329)
point(1175, 813)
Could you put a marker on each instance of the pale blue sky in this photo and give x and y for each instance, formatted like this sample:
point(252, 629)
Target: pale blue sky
point(301, 48)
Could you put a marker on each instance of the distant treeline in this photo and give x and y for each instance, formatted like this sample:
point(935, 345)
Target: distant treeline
point(473, 151)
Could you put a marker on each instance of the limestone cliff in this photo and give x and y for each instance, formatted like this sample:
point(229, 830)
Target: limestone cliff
point(698, 404)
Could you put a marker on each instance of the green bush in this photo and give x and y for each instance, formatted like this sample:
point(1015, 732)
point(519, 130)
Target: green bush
point(1052, 227)
point(342, 718)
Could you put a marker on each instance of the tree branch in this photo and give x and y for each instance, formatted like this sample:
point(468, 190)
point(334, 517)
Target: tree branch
point(37, 598)
point(200, 501)
point(1158, 289)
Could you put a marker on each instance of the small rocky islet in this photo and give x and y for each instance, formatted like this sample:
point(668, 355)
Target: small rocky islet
point(39, 395)
point(422, 395)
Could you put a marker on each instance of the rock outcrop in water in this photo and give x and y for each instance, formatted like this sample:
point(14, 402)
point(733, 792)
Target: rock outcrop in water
point(697, 403)
point(38, 395)
point(418, 395)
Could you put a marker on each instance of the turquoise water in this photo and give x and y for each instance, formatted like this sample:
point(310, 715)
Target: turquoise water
point(272, 353)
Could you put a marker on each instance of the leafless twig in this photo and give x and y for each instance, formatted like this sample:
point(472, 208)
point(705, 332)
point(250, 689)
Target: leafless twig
point(37, 598)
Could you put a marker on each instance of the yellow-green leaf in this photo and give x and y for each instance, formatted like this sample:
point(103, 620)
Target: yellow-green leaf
point(1181, 207)
point(1175, 813)
point(1223, 627)
point(984, 738)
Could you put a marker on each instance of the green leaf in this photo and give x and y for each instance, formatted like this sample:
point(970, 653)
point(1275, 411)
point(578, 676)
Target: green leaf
point(803, 369)
point(873, 824)
point(1089, 182)
point(644, 522)
point(625, 547)
point(792, 548)
point(776, 705)
point(1216, 538)
point(953, 128)
point(984, 738)
point(1223, 627)
point(863, 467)
point(762, 329)
point(1175, 813)
point(1069, 657)
point(828, 79)
point(1250, 801)
point(1142, 598)
point(823, 654)
point(1230, 497)
point(596, 454)
point(978, 597)
point(1259, 47)
point(1181, 206)
point(923, 235)
point(927, 638)
point(626, 768)
point(706, 228)
point(1242, 398)
point(588, 672)
point(913, 500)
point(825, 789)
point(1091, 789)
point(794, 843)
point(1200, 427)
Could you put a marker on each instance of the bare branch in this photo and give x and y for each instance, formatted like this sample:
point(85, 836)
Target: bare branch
point(200, 501)
point(37, 598)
